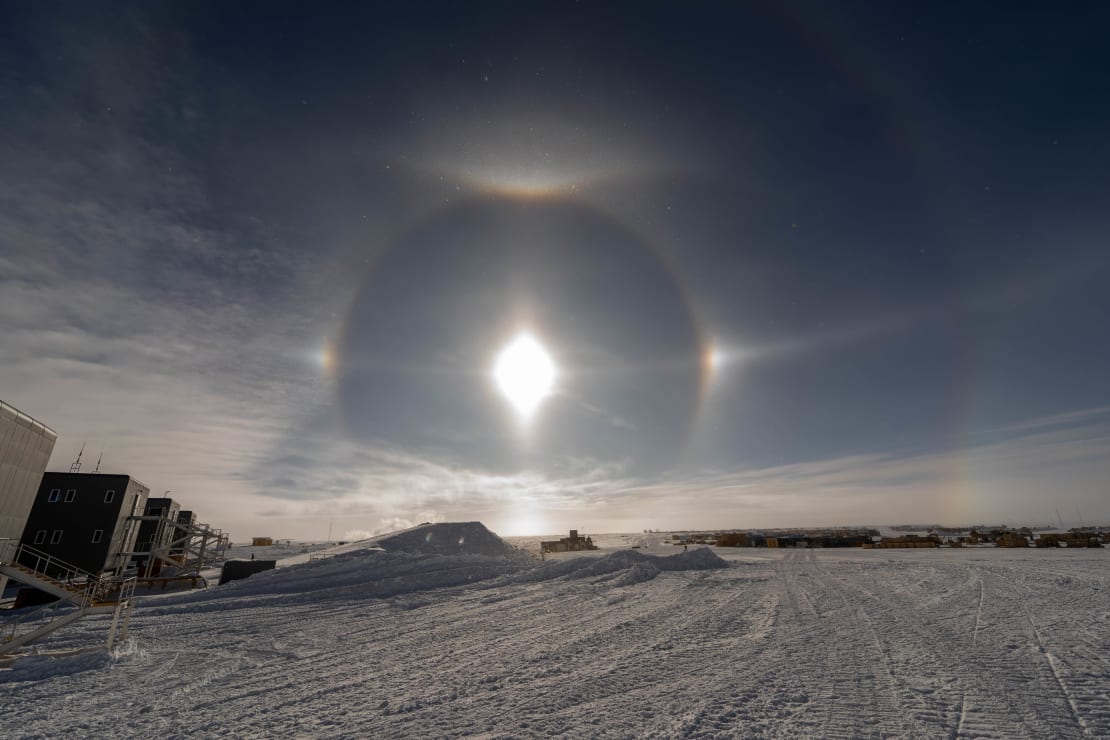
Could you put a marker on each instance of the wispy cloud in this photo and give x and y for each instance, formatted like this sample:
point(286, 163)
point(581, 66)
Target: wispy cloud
point(1021, 478)
point(169, 261)
point(138, 314)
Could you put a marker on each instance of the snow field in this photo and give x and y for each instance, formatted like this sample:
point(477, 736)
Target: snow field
point(833, 643)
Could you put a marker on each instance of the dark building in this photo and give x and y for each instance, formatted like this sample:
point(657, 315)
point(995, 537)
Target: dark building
point(84, 519)
point(185, 519)
point(236, 570)
point(156, 533)
point(574, 543)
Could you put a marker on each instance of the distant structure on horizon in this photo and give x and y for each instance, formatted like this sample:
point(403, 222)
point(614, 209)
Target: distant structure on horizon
point(154, 534)
point(573, 543)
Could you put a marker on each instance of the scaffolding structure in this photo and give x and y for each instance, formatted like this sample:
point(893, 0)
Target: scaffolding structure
point(77, 593)
point(182, 549)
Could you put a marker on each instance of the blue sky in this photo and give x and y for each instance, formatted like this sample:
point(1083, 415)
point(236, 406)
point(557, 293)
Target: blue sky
point(796, 264)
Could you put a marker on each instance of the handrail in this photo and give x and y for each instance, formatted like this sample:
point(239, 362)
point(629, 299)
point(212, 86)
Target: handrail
point(39, 614)
point(16, 554)
point(127, 588)
point(41, 621)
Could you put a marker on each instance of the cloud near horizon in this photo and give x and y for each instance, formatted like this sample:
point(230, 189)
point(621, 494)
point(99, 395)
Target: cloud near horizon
point(1021, 478)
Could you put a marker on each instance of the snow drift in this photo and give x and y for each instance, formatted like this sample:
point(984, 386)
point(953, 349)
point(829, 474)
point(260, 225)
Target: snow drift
point(631, 566)
point(412, 561)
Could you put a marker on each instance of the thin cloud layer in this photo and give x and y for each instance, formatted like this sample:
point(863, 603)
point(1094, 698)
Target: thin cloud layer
point(265, 261)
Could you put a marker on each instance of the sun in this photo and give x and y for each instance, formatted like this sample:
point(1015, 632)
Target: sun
point(525, 526)
point(525, 374)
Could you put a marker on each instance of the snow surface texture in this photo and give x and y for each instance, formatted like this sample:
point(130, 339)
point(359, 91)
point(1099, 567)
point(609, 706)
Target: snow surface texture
point(833, 643)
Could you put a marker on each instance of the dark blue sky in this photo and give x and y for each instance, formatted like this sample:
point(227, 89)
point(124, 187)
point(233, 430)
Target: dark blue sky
point(265, 254)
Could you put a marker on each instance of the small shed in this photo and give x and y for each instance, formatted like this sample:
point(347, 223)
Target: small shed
point(235, 570)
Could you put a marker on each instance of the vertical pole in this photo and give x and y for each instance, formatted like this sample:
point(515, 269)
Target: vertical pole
point(126, 621)
point(200, 557)
point(115, 621)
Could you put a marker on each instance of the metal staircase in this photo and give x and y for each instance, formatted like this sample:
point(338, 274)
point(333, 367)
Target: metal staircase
point(78, 593)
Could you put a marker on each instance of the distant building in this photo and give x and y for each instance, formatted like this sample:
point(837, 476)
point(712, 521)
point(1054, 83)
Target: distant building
point(573, 543)
point(1012, 539)
point(1072, 538)
point(905, 541)
point(85, 519)
point(185, 519)
point(157, 533)
point(732, 539)
point(840, 540)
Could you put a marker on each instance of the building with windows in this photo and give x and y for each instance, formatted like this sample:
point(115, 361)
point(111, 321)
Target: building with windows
point(86, 519)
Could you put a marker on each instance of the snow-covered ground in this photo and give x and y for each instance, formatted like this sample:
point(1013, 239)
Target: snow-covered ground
point(628, 643)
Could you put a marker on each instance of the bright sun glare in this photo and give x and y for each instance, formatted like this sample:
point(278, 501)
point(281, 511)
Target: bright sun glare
point(525, 374)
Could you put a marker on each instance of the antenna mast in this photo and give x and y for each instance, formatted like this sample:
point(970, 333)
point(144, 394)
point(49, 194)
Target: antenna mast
point(98, 459)
point(76, 466)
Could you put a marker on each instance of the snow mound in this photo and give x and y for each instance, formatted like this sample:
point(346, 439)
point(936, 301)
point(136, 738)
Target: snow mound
point(349, 577)
point(447, 538)
point(404, 567)
point(626, 566)
point(638, 573)
point(701, 558)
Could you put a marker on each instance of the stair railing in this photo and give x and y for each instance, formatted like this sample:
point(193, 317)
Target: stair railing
point(45, 566)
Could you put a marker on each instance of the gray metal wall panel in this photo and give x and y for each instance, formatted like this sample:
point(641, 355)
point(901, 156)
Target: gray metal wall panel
point(25, 449)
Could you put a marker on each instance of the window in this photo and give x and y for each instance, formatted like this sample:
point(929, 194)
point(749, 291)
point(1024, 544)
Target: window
point(109, 496)
point(55, 494)
point(98, 535)
point(55, 536)
point(40, 536)
point(71, 494)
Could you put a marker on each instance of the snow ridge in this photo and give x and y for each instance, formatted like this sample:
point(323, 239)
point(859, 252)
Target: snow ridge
point(632, 566)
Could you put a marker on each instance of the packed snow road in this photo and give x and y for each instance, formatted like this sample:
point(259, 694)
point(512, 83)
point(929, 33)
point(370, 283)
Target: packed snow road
point(831, 643)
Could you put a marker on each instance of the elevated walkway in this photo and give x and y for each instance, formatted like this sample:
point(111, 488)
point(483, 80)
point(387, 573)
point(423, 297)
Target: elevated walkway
point(78, 593)
point(186, 549)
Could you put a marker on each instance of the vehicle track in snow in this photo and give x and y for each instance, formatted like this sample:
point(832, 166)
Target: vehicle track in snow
point(782, 644)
